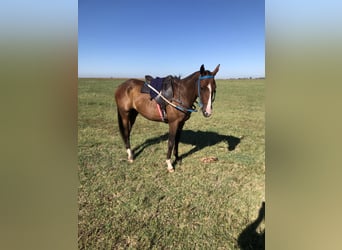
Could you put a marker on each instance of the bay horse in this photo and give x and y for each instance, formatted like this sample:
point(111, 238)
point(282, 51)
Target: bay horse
point(130, 102)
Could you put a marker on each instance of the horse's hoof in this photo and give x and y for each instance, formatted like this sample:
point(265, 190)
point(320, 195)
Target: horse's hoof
point(130, 155)
point(171, 170)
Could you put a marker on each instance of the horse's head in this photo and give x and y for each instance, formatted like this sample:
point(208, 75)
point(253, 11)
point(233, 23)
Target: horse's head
point(206, 88)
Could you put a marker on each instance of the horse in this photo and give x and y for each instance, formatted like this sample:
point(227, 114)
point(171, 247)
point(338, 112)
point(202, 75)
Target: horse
point(130, 102)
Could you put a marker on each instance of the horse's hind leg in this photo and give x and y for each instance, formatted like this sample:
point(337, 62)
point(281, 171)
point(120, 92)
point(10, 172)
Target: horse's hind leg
point(173, 127)
point(132, 116)
point(126, 120)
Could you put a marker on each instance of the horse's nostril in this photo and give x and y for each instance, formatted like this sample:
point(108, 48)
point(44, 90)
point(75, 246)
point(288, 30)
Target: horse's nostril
point(206, 114)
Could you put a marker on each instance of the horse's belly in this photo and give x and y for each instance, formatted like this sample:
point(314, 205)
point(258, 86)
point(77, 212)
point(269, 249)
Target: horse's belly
point(147, 107)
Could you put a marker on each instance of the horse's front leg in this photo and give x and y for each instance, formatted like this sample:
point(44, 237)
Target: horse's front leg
point(177, 138)
point(171, 143)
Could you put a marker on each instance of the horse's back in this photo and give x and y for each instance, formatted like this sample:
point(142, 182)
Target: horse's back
point(128, 85)
point(125, 88)
point(126, 91)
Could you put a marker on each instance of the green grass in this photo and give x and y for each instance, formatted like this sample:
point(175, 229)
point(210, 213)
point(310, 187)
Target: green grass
point(200, 205)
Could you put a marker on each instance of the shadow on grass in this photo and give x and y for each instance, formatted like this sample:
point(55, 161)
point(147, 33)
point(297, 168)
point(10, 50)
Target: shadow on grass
point(200, 139)
point(149, 142)
point(249, 238)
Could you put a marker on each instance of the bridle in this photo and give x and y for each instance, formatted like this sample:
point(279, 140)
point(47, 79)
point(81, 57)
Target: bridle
point(199, 89)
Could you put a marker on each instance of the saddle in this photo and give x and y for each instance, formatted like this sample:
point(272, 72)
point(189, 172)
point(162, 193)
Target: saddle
point(162, 85)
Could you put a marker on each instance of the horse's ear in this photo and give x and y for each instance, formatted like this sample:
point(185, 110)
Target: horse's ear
point(216, 69)
point(202, 70)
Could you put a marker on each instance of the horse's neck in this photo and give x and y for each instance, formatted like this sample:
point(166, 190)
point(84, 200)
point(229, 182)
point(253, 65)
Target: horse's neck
point(189, 88)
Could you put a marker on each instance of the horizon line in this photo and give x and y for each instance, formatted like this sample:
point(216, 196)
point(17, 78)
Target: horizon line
point(121, 77)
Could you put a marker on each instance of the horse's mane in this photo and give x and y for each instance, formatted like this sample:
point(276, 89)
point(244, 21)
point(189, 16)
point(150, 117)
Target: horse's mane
point(178, 78)
point(174, 78)
point(190, 76)
point(206, 72)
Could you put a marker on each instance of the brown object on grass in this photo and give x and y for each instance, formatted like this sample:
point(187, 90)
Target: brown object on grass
point(209, 159)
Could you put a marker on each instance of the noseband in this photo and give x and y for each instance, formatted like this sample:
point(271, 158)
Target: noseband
point(199, 88)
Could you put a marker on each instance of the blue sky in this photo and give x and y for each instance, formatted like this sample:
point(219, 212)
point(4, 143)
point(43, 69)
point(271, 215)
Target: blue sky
point(132, 38)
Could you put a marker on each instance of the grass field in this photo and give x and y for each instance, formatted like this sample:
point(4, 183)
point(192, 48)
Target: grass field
point(199, 206)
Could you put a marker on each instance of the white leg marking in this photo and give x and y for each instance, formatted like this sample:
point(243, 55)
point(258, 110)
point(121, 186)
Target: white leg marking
point(169, 166)
point(208, 109)
point(130, 155)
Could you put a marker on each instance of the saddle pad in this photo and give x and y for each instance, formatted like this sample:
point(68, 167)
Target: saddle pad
point(145, 89)
point(156, 83)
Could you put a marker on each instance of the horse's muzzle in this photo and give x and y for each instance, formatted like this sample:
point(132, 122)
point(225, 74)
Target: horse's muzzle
point(207, 111)
point(206, 114)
